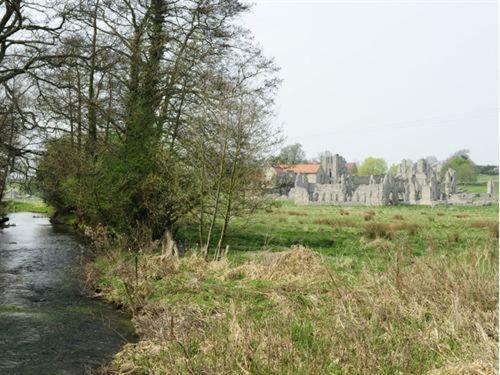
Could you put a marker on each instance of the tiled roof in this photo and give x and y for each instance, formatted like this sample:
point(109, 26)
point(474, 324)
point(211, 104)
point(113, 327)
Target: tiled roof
point(299, 168)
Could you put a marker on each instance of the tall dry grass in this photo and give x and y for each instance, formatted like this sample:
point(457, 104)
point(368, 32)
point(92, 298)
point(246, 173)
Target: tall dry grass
point(288, 313)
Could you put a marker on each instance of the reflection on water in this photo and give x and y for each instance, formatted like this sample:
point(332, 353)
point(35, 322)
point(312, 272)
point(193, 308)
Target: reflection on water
point(46, 325)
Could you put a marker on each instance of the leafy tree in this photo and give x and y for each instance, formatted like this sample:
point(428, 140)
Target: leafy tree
point(463, 166)
point(352, 168)
point(159, 113)
point(393, 169)
point(489, 170)
point(291, 154)
point(372, 166)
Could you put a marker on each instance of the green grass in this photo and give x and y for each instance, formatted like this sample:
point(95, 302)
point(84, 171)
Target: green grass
point(12, 309)
point(29, 206)
point(379, 290)
point(479, 186)
point(338, 232)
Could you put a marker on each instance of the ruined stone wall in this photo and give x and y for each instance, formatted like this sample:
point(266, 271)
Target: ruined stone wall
point(413, 183)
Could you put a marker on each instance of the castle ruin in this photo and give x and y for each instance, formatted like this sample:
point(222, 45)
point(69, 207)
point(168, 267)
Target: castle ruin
point(413, 183)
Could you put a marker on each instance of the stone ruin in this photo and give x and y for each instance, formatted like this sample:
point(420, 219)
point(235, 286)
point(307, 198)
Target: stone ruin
point(413, 183)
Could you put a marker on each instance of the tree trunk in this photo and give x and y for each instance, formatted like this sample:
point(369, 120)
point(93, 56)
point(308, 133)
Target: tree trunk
point(217, 198)
point(91, 100)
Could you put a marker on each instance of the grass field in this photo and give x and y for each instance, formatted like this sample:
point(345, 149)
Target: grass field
point(36, 206)
point(317, 289)
point(479, 186)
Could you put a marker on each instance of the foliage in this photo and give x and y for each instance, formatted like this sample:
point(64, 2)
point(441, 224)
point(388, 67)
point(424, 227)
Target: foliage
point(156, 129)
point(489, 170)
point(393, 169)
point(463, 166)
point(352, 169)
point(28, 206)
point(291, 154)
point(372, 166)
point(478, 186)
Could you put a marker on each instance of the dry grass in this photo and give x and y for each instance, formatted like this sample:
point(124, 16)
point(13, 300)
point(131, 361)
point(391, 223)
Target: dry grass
point(288, 313)
point(462, 216)
point(398, 217)
point(489, 224)
point(417, 297)
point(297, 264)
point(387, 231)
point(453, 238)
point(369, 215)
point(297, 213)
point(340, 223)
point(378, 230)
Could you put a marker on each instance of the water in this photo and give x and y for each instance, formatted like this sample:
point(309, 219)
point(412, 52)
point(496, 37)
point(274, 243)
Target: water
point(46, 325)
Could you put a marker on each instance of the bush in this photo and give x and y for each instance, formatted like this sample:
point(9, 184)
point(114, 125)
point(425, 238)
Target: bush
point(372, 166)
point(463, 166)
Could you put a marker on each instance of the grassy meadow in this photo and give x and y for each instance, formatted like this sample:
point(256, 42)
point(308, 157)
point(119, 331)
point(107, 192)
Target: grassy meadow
point(316, 290)
point(479, 186)
point(35, 206)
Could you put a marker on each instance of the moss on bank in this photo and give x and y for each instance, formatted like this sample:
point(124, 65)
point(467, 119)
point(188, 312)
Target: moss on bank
point(409, 290)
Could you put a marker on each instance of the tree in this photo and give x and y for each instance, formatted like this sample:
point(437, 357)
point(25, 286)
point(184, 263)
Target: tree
point(291, 154)
point(352, 168)
point(372, 166)
point(163, 108)
point(28, 30)
point(463, 166)
point(393, 169)
point(489, 170)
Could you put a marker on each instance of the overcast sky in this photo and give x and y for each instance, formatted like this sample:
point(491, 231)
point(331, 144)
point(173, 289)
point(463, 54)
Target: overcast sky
point(396, 79)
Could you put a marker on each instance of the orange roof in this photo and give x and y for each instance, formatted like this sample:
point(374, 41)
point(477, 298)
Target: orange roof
point(299, 168)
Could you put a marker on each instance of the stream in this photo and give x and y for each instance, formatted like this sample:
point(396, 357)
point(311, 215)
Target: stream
point(47, 326)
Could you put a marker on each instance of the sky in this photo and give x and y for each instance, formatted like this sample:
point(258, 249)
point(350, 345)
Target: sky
point(394, 79)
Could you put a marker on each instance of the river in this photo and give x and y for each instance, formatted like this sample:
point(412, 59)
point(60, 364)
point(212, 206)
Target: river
point(47, 326)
